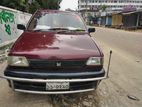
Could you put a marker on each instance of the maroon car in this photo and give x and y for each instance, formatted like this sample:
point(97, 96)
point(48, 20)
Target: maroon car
point(55, 55)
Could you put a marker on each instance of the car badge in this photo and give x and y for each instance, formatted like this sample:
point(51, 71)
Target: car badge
point(58, 64)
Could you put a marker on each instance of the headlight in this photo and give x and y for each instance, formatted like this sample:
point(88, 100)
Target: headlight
point(18, 61)
point(95, 61)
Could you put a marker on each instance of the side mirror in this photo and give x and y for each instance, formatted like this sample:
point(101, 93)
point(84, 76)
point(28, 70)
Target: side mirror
point(91, 30)
point(21, 27)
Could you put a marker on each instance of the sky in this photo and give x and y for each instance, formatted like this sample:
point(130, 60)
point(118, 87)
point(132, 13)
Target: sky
point(72, 4)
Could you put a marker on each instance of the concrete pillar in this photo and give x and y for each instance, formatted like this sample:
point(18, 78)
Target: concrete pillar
point(138, 18)
point(106, 20)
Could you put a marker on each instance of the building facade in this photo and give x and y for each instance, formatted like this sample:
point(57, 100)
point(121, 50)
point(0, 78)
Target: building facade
point(109, 5)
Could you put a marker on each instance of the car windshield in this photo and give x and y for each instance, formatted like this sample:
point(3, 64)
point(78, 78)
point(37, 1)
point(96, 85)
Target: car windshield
point(56, 21)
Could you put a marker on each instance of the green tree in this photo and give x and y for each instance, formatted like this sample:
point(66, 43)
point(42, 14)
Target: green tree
point(34, 6)
point(103, 8)
point(25, 6)
point(49, 4)
point(15, 4)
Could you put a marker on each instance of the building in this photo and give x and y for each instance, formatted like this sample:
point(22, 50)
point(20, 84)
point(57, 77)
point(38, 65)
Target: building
point(109, 5)
point(132, 20)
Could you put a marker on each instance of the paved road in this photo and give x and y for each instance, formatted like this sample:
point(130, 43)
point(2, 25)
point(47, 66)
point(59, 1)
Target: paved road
point(125, 78)
point(126, 66)
point(128, 42)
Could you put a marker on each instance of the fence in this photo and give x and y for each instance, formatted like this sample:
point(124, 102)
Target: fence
point(9, 18)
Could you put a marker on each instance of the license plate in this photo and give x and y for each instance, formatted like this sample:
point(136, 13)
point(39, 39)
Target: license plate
point(57, 85)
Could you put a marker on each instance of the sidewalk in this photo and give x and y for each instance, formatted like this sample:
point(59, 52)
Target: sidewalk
point(134, 31)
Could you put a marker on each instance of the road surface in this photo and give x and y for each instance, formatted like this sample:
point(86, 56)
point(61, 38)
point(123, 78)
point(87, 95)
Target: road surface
point(125, 78)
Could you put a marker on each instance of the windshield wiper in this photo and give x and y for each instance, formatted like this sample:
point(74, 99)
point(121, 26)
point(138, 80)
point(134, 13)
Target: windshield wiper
point(67, 28)
point(52, 29)
point(64, 31)
point(60, 29)
point(39, 30)
point(78, 30)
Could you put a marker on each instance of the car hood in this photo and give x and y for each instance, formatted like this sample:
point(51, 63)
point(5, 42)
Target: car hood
point(51, 45)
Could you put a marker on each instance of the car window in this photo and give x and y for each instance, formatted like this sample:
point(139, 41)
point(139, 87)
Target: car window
point(56, 20)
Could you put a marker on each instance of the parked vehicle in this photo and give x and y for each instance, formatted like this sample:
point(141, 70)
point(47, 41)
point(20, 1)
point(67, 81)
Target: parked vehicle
point(55, 55)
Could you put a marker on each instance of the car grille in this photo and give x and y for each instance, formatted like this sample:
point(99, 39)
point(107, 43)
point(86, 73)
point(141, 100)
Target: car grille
point(57, 63)
point(68, 66)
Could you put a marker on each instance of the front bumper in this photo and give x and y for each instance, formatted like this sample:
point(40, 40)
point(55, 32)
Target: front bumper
point(37, 85)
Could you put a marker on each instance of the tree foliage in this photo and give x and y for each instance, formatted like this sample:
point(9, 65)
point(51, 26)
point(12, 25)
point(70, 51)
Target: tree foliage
point(103, 7)
point(31, 5)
